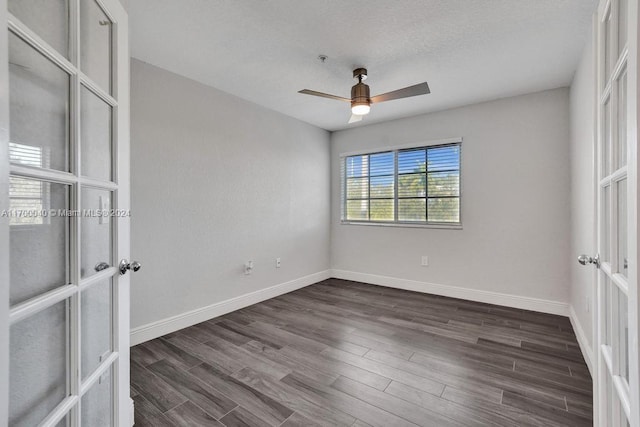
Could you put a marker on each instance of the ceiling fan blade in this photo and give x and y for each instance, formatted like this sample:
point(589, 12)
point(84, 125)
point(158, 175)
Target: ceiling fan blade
point(323, 95)
point(355, 118)
point(419, 89)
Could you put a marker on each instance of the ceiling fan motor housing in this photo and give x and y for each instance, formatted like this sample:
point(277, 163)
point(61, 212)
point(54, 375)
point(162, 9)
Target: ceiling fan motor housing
point(360, 94)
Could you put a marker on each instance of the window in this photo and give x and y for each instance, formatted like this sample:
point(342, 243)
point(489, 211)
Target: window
point(405, 186)
point(28, 198)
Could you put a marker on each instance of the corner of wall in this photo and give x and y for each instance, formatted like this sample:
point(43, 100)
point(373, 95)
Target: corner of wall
point(581, 336)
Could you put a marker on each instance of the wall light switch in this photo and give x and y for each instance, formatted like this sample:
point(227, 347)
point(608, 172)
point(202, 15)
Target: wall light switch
point(278, 263)
point(425, 261)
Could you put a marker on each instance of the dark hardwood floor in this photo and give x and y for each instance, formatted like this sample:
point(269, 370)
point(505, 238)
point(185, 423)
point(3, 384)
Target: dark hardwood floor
point(342, 353)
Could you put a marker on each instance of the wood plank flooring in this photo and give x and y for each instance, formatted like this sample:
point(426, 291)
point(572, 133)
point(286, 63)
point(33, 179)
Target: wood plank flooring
point(341, 353)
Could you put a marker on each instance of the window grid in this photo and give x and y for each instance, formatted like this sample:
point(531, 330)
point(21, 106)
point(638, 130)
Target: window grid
point(442, 176)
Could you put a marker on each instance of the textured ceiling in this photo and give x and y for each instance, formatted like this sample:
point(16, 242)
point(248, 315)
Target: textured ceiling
point(265, 51)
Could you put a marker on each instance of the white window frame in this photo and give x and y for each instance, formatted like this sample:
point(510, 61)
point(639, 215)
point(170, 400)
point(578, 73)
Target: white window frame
point(396, 149)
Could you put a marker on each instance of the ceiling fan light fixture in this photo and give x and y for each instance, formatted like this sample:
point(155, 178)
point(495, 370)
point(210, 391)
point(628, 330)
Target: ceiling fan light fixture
point(360, 109)
point(360, 97)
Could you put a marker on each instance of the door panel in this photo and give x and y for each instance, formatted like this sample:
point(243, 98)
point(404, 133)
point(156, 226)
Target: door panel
point(617, 353)
point(68, 151)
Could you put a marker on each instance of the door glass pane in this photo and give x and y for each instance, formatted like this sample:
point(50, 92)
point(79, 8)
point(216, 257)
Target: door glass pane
point(49, 19)
point(98, 401)
point(608, 44)
point(622, 120)
point(606, 221)
point(624, 336)
point(623, 18)
point(95, 136)
point(38, 365)
point(412, 210)
point(95, 325)
point(38, 244)
point(63, 422)
point(623, 250)
point(606, 308)
point(610, 397)
point(95, 245)
point(95, 44)
point(381, 210)
point(39, 109)
point(606, 138)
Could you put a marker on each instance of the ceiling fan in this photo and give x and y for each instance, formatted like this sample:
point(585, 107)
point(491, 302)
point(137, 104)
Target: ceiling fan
point(361, 99)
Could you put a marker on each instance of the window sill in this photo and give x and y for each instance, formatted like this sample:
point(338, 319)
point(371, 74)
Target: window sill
point(403, 224)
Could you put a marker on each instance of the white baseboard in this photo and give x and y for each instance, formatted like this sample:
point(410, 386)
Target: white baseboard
point(132, 412)
point(587, 353)
point(165, 326)
point(507, 300)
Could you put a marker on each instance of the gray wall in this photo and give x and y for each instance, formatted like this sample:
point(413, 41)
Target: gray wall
point(515, 205)
point(218, 181)
point(582, 190)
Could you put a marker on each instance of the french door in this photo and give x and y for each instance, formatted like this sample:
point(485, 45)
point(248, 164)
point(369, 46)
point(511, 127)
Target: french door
point(616, 379)
point(67, 213)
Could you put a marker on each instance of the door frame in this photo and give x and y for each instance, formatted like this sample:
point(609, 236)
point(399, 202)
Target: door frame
point(4, 221)
point(633, 80)
point(122, 244)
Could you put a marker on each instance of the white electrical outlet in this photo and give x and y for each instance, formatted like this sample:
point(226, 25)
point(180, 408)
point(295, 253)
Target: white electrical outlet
point(248, 268)
point(278, 262)
point(425, 261)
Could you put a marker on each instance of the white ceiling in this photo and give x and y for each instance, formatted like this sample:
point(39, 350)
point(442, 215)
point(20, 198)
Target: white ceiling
point(265, 51)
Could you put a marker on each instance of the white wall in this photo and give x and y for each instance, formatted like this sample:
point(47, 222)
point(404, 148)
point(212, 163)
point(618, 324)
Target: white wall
point(582, 193)
point(515, 205)
point(217, 181)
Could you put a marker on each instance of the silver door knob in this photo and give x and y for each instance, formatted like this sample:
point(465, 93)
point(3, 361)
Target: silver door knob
point(101, 266)
point(125, 266)
point(586, 259)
